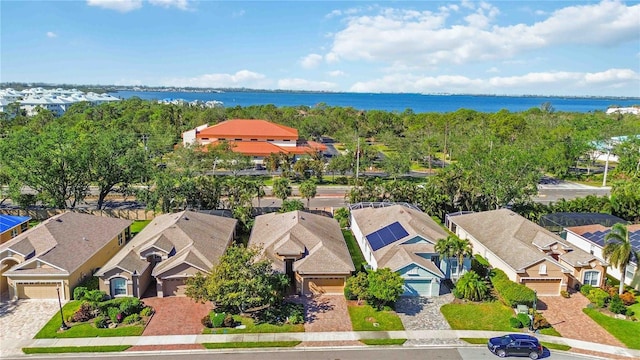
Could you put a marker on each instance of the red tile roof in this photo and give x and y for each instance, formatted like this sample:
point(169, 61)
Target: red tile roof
point(245, 128)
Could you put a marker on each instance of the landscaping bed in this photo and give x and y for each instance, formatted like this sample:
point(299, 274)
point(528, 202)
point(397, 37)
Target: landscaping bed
point(288, 317)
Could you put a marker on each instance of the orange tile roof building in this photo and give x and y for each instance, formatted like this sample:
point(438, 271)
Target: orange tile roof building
point(254, 138)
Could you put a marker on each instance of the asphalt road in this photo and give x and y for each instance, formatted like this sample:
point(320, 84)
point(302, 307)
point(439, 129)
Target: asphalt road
point(404, 353)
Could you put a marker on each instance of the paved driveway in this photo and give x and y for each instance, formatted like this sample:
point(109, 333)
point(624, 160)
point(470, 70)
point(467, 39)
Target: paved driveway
point(175, 315)
point(421, 313)
point(21, 320)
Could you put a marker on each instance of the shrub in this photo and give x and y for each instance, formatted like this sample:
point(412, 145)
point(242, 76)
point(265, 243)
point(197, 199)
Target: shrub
point(515, 323)
point(598, 297)
point(342, 216)
point(217, 319)
point(90, 283)
point(616, 305)
point(585, 289)
point(628, 298)
point(113, 313)
point(84, 313)
point(94, 296)
point(206, 321)
point(131, 319)
point(479, 267)
point(228, 321)
point(78, 292)
point(524, 319)
point(100, 322)
point(130, 305)
point(511, 293)
point(539, 322)
point(146, 311)
point(565, 294)
point(611, 290)
point(629, 312)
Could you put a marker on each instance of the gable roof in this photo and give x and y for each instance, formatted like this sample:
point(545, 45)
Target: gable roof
point(65, 241)
point(514, 239)
point(186, 232)
point(8, 222)
point(237, 128)
point(414, 222)
point(317, 239)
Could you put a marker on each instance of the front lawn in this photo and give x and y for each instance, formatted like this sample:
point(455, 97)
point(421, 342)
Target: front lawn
point(74, 349)
point(478, 316)
point(51, 328)
point(354, 249)
point(241, 345)
point(251, 327)
point(365, 318)
point(624, 330)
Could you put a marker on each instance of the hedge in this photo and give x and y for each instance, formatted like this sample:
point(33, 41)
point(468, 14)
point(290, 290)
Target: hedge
point(511, 293)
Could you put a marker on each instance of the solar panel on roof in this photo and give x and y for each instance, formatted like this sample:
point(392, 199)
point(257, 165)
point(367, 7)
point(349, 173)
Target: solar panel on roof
point(587, 234)
point(387, 235)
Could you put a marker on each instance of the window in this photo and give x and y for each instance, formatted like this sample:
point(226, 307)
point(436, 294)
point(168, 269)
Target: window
point(413, 271)
point(14, 232)
point(454, 266)
point(629, 274)
point(542, 270)
point(118, 286)
point(120, 239)
point(591, 278)
point(24, 227)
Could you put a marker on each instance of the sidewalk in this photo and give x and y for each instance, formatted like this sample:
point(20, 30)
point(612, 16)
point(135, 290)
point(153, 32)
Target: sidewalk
point(320, 336)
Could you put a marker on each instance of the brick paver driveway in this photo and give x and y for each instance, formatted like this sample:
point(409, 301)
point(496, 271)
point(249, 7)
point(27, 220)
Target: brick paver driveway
point(175, 316)
point(566, 316)
point(325, 313)
point(21, 320)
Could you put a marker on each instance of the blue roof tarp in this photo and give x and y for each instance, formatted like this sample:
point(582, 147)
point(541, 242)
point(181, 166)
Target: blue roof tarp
point(9, 221)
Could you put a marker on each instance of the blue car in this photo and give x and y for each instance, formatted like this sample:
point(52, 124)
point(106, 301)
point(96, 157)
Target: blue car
point(515, 345)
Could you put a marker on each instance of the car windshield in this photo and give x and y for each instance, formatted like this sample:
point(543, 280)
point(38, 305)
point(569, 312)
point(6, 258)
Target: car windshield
point(505, 340)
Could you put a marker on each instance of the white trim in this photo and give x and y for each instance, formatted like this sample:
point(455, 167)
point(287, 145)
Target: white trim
point(584, 275)
point(37, 258)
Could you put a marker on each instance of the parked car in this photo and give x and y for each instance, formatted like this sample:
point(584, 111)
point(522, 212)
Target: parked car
point(515, 345)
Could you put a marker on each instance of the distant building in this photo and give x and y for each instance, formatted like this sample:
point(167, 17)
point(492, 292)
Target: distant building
point(624, 110)
point(12, 226)
point(255, 138)
point(57, 101)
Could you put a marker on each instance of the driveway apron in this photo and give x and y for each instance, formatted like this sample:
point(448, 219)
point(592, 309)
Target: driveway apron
point(175, 316)
point(21, 320)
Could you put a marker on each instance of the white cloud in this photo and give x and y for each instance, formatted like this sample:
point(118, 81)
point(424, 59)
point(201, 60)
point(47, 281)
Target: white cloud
point(424, 39)
point(242, 78)
point(311, 61)
point(51, 34)
point(179, 4)
point(562, 83)
point(336, 73)
point(118, 5)
point(302, 84)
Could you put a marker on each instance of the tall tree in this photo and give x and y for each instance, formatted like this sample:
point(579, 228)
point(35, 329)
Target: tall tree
point(454, 247)
point(281, 188)
point(619, 252)
point(308, 190)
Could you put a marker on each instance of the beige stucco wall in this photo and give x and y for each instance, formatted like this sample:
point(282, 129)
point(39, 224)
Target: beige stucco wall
point(553, 271)
point(179, 271)
point(6, 236)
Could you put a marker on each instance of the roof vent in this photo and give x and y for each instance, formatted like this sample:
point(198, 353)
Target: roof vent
point(84, 238)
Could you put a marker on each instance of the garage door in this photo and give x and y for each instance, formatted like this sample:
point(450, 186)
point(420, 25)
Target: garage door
point(173, 287)
point(415, 287)
point(328, 286)
point(37, 291)
point(544, 286)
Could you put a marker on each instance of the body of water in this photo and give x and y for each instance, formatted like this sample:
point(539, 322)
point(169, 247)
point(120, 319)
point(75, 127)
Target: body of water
point(390, 102)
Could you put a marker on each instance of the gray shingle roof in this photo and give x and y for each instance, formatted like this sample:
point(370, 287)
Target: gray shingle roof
point(205, 235)
point(317, 238)
point(416, 223)
point(67, 240)
point(514, 239)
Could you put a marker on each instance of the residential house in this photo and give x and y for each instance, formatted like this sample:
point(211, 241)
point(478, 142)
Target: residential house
point(528, 253)
point(59, 253)
point(254, 138)
point(12, 226)
point(402, 238)
point(591, 238)
point(168, 251)
point(309, 248)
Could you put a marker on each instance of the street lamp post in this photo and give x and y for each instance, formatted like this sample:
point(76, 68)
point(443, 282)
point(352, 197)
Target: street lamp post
point(63, 325)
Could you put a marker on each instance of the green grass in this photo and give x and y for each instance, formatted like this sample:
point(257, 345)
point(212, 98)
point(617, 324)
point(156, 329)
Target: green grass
point(240, 345)
point(50, 329)
point(624, 330)
point(251, 327)
point(74, 349)
point(550, 331)
point(138, 225)
point(363, 318)
point(550, 346)
point(635, 307)
point(383, 341)
point(478, 316)
point(354, 249)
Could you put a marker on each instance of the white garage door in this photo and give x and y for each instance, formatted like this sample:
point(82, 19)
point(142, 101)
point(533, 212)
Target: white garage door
point(415, 287)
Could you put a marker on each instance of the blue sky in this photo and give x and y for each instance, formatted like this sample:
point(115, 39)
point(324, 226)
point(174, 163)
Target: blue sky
point(488, 47)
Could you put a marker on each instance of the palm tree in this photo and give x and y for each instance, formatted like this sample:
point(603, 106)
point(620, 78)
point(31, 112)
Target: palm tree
point(618, 250)
point(308, 190)
point(472, 287)
point(454, 247)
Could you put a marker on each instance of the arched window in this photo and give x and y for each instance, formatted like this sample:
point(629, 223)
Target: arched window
point(591, 278)
point(118, 286)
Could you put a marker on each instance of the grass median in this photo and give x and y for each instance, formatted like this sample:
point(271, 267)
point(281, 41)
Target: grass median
point(74, 349)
